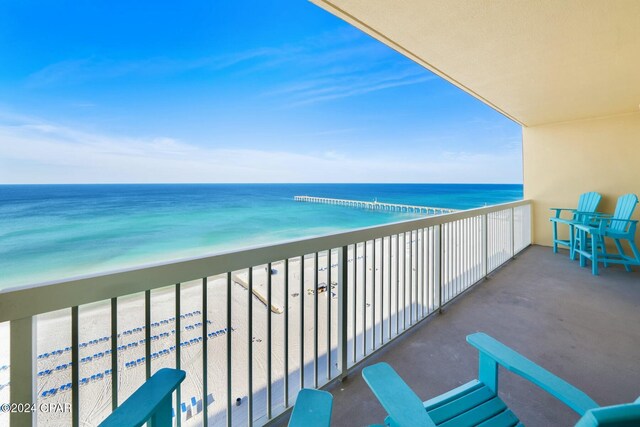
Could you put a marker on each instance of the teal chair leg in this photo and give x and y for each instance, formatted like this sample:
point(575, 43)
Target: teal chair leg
point(594, 255)
point(572, 242)
point(555, 237)
point(601, 242)
point(582, 235)
point(636, 253)
point(621, 252)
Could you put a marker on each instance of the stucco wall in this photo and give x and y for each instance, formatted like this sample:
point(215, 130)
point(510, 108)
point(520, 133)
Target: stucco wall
point(562, 161)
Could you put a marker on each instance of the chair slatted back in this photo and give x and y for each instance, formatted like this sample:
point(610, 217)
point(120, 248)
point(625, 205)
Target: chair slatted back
point(624, 210)
point(588, 202)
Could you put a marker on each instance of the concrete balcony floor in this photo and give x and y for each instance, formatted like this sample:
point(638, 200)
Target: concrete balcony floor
point(583, 328)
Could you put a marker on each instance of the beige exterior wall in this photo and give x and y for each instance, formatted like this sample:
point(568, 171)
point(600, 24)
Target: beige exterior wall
point(561, 161)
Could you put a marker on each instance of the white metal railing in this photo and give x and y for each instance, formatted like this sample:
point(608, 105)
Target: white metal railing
point(255, 325)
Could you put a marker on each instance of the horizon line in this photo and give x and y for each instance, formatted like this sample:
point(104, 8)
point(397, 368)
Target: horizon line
point(263, 183)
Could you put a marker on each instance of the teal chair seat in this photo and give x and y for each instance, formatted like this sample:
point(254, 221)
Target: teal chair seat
point(471, 404)
point(477, 403)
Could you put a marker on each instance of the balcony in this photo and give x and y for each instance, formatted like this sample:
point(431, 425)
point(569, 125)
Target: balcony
point(250, 327)
point(407, 293)
point(557, 314)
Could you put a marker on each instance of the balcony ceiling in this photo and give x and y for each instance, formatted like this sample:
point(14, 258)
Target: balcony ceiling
point(538, 62)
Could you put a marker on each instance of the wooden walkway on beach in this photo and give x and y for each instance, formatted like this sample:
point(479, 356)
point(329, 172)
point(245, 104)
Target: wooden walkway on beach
point(244, 284)
point(375, 205)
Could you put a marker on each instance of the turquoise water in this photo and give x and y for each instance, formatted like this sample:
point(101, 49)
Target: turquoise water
point(49, 232)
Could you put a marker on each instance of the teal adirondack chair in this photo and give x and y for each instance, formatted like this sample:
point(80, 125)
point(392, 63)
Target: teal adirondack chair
point(618, 227)
point(587, 203)
point(152, 401)
point(312, 409)
point(477, 403)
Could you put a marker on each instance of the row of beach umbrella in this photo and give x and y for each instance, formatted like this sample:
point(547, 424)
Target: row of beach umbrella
point(122, 347)
point(129, 364)
point(107, 338)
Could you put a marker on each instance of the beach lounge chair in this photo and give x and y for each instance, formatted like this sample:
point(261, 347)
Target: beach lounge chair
point(587, 203)
point(151, 401)
point(618, 227)
point(312, 409)
point(477, 403)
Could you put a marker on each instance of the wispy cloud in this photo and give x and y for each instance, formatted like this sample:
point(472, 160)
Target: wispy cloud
point(352, 87)
point(100, 69)
point(345, 67)
point(95, 68)
point(35, 151)
point(327, 66)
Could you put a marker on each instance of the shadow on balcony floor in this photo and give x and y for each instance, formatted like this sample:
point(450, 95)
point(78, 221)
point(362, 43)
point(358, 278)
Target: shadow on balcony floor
point(584, 328)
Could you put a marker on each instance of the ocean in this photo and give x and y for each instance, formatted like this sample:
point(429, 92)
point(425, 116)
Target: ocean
point(51, 232)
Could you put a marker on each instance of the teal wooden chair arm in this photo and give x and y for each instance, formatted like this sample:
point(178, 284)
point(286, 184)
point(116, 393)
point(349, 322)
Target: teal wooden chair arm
point(493, 352)
point(606, 223)
point(617, 415)
point(559, 210)
point(568, 219)
point(602, 226)
point(312, 409)
point(589, 217)
point(151, 401)
point(594, 214)
point(404, 407)
point(610, 220)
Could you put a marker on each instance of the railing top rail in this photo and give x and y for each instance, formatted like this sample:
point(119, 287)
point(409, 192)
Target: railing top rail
point(30, 300)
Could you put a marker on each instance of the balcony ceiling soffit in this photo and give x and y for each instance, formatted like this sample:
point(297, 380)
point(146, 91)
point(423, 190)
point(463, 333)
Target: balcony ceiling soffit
point(538, 62)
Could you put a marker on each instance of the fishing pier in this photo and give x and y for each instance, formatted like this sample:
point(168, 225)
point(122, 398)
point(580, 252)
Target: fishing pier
point(375, 205)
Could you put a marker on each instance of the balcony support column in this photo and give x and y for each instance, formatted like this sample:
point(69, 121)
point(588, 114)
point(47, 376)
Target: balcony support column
point(485, 245)
point(23, 369)
point(438, 266)
point(343, 338)
point(513, 235)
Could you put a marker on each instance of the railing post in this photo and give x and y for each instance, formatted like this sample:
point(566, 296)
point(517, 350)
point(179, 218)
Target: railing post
point(114, 353)
point(75, 366)
point(229, 353)
point(147, 333)
point(530, 225)
point(342, 310)
point(205, 353)
point(269, 345)
point(178, 311)
point(438, 270)
point(513, 234)
point(286, 337)
point(485, 245)
point(23, 367)
point(250, 346)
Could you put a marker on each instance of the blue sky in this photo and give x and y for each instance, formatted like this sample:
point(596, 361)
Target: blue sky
point(239, 91)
